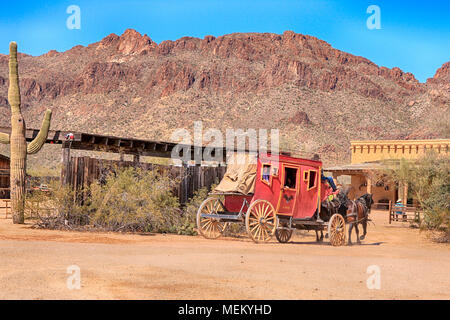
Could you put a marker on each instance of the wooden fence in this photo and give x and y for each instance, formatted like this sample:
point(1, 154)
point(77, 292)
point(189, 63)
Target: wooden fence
point(5, 206)
point(82, 171)
point(404, 214)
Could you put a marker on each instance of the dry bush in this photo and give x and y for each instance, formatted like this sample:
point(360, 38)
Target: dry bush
point(58, 208)
point(127, 199)
point(134, 200)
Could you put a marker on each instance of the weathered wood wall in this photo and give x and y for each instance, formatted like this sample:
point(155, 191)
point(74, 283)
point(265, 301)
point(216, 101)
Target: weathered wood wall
point(82, 171)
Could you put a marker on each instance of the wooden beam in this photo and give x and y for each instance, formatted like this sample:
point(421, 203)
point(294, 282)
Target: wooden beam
point(155, 153)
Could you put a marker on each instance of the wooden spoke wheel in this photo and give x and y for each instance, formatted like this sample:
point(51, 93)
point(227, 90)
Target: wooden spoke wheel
point(210, 228)
point(261, 221)
point(283, 235)
point(336, 230)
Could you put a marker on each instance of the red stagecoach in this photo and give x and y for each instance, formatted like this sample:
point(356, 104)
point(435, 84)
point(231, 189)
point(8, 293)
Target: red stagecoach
point(272, 197)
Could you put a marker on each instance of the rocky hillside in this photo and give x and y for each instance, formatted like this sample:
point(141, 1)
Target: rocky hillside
point(319, 97)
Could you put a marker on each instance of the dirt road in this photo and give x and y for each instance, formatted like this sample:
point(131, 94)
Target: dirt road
point(33, 265)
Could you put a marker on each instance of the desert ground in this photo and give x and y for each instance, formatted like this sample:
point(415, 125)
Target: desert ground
point(34, 262)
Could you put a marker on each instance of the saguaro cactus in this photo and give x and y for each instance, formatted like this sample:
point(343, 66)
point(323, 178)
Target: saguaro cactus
point(17, 140)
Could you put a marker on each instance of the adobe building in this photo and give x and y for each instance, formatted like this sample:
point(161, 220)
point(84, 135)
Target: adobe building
point(4, 177)
point(367, 157)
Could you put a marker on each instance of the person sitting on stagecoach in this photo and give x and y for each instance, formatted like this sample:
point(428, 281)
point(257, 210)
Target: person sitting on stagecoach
point(266, 173)
point(329, 180)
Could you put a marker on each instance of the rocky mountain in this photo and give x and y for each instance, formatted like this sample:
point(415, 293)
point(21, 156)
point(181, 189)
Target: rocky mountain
point(319, 97)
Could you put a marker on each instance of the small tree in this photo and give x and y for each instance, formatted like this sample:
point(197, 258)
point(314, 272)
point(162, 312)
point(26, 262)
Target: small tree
point(428, 178)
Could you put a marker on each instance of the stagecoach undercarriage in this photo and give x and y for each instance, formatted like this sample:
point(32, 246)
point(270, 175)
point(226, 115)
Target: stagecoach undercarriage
point(262, 222)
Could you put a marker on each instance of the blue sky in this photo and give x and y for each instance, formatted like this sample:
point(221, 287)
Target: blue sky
point(414, 35)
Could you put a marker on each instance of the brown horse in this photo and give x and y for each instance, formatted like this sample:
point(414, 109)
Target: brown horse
point(358, 213)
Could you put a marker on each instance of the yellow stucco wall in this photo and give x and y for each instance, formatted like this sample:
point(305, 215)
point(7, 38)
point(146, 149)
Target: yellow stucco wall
point(374, 150)
point(378, 193)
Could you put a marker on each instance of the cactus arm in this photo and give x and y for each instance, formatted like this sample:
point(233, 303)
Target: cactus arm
point(13, 90)
point(37, 143)
point(4, 138)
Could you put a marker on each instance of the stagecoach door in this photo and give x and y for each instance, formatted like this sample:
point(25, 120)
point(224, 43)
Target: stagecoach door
point(309, 190)
point(288, 189)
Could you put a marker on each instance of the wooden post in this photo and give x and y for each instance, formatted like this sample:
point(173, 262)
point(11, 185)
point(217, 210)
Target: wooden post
point(405, 194)
point(121, 156)
point(390, 213)
point(180, 185)
point(185, 182)
point(136, 158)
point(65, 159)
point(335, 177)
point(202, 176)
point(198, 174)
point(369, 185)
point(75, 178)
point(87, 171)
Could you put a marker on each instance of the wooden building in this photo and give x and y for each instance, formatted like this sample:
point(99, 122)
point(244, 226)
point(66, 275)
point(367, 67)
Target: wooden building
point(367, 157)
point(4, 177)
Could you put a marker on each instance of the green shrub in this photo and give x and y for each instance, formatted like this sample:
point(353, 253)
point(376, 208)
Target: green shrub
point(428, 178)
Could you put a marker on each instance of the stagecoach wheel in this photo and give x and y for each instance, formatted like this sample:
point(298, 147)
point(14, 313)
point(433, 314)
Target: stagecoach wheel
point(210, 228)
point(283, 235)
point(261, 221)
point(336, 230)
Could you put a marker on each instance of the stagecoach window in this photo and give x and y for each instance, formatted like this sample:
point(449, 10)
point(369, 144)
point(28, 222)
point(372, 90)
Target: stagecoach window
point(312, 179)
point(266, 173)
point(306, 175)
point(290, 175)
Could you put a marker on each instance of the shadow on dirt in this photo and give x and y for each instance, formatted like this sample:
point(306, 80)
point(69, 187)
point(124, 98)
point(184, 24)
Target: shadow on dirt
point(326, 243)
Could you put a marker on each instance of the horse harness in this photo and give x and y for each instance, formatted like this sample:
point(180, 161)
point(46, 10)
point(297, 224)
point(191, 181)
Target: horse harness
point(358, 206)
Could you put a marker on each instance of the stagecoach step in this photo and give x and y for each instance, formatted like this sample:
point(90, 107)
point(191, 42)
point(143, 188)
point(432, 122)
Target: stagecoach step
point(223, 216)
point(309, 222)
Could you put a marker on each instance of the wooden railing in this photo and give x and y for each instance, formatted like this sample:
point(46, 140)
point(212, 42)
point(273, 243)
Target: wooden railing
point(380, 205)
point(33, 209)
point(6, 205)
point(405, 213)
point(36, 209)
